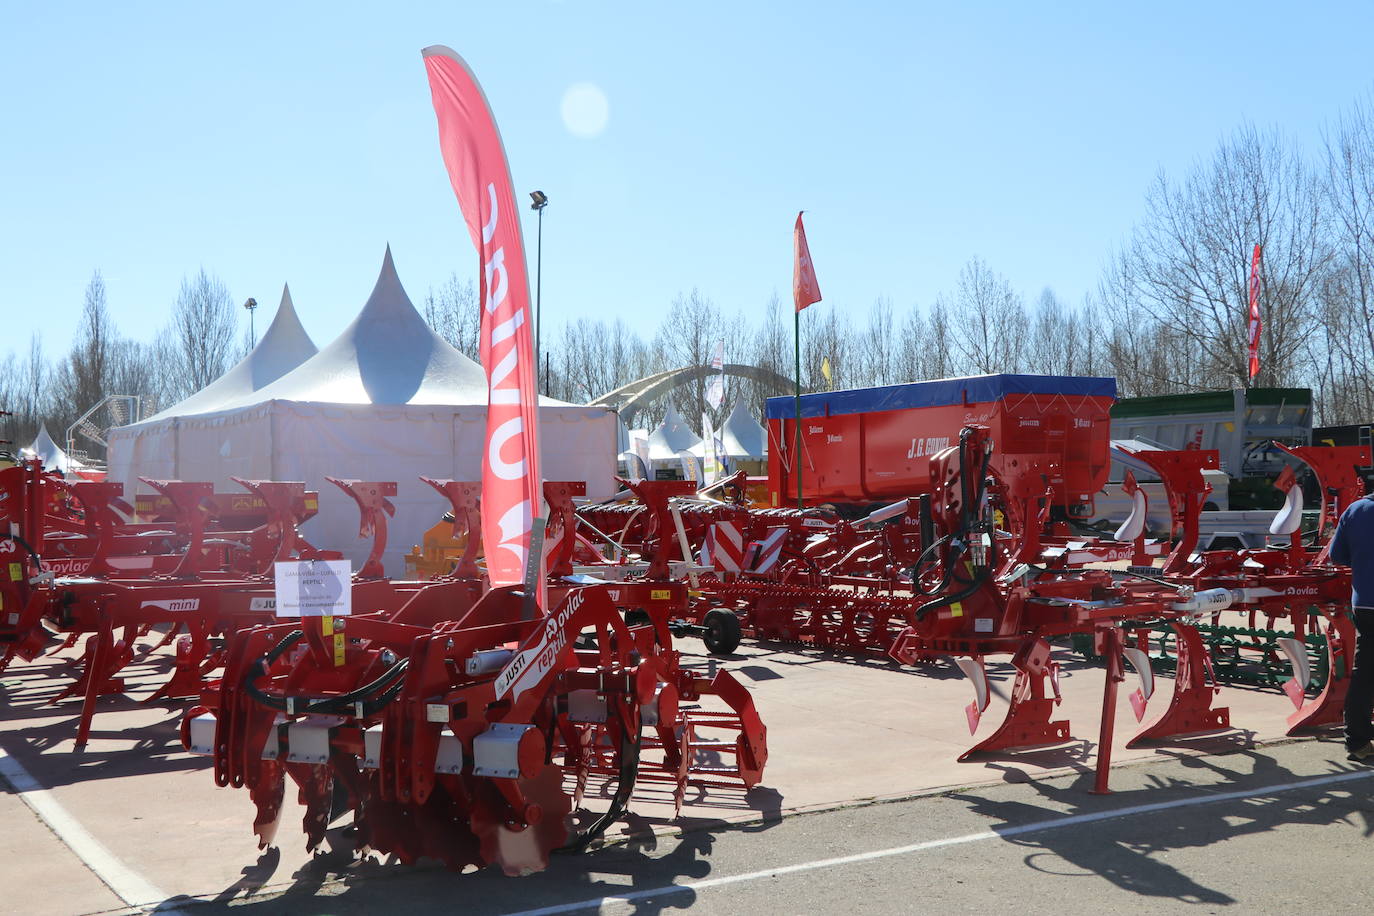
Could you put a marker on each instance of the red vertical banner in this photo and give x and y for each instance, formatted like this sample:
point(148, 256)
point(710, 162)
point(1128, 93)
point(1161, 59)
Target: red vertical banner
point(477, 168)
point(805, 289)
point(1254, 312)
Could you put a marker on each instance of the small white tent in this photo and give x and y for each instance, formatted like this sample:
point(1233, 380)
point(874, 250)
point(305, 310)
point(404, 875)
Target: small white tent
point(669, 441)
point(672, 436)
point(742, 435)
point(388, 400)
point(51, 454)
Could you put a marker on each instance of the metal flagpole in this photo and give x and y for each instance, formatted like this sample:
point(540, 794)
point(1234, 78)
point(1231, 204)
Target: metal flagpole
point(796, 340)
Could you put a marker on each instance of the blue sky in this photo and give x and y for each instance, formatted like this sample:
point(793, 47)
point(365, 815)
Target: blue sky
point(291, 142)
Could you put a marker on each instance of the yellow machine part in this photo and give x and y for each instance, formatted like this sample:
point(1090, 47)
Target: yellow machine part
point(437, 554)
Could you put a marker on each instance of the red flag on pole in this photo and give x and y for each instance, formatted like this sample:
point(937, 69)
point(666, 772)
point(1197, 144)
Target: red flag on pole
point(480, 175)
point(805, 290)
point(1254, 312)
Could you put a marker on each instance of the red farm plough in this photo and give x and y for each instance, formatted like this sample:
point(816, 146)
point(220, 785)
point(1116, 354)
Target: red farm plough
point(466, 726)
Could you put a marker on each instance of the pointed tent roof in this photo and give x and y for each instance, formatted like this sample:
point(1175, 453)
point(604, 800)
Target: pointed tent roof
point(672, 436)
point(284, 346)
point(743, 436)
point(388, 355)
point(51, 454)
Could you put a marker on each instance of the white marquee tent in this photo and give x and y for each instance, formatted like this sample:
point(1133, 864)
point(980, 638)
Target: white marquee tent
point(388, 400)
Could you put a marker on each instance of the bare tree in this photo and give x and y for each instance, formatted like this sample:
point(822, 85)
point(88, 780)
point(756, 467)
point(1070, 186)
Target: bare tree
point(877, 353)
point(827, 337)
point(1189, 260)
point(1085, 356)
point(1050, 344)
point(203, 327)
point(988, 322)
point(690, 331)
point(771, 349)
point(1342, 352)
point(452, 312)
point(136, 369)
point(941, 362)
point(591, 358)
point(912, 346)
point(25, 391)
point(85, 374)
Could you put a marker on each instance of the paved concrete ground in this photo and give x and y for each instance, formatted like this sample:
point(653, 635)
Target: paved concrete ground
point(842, 732)
point(1227, 833)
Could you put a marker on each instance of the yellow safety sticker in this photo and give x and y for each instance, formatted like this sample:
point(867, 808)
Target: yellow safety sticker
point(327, 628)
point(956, 609)
point(660, 594)
point(16, 572)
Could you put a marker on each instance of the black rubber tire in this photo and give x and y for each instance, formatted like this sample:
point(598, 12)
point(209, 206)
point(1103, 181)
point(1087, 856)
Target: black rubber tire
point(722, 632)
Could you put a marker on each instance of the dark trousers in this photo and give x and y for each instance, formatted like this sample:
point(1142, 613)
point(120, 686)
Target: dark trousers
point(1359, 698)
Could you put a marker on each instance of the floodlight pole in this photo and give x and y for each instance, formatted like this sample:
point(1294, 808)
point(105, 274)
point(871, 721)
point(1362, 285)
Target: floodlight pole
point(252, 306)
point(540, 200)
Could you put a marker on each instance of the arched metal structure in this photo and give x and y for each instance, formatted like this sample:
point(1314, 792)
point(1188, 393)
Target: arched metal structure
point(630, 399)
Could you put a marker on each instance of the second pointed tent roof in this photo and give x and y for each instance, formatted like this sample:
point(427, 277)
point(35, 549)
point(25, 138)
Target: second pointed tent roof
point(50, 453)
point(284, 346)
point(672, 436)
point(742, 435)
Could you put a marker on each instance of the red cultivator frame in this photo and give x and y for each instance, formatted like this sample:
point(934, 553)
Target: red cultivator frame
point(468, 740)
point(213, 583)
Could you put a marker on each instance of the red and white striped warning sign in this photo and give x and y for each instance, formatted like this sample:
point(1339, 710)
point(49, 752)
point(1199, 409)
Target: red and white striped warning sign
point(764, 555)
point(724, 548)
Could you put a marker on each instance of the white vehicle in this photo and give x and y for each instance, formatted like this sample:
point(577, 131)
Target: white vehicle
point(1219, 526)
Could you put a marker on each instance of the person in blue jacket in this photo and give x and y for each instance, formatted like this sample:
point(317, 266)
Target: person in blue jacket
point(1353, 545)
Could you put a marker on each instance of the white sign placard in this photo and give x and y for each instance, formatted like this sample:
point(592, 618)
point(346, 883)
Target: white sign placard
point(314, 588)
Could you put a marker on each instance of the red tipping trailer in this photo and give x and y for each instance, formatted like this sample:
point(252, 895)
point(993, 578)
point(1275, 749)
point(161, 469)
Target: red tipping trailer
point(868, 445)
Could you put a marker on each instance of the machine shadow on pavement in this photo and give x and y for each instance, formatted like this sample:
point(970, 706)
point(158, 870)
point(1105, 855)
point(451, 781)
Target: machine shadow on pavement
point(336, 882)
point(1130, 852)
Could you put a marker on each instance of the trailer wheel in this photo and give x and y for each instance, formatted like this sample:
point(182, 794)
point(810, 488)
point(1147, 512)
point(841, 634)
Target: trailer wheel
point(721, 631)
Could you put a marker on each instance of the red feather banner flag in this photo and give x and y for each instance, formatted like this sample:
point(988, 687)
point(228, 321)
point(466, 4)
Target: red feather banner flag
point(477, 168)
point(805, 289)
point(1254, 312)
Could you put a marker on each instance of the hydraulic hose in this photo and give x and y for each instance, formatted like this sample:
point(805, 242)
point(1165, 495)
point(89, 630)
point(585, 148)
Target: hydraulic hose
point(945, 600)
point(386, 687)
point(33, 555)
point(974, 497)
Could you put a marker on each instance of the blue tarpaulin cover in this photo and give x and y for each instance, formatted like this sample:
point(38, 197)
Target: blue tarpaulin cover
point(938, 393)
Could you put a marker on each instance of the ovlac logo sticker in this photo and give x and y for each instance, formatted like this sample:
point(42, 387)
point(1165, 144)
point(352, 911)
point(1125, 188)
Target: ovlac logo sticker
point(530, 665)
point(174, 604)
point(66, 566)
